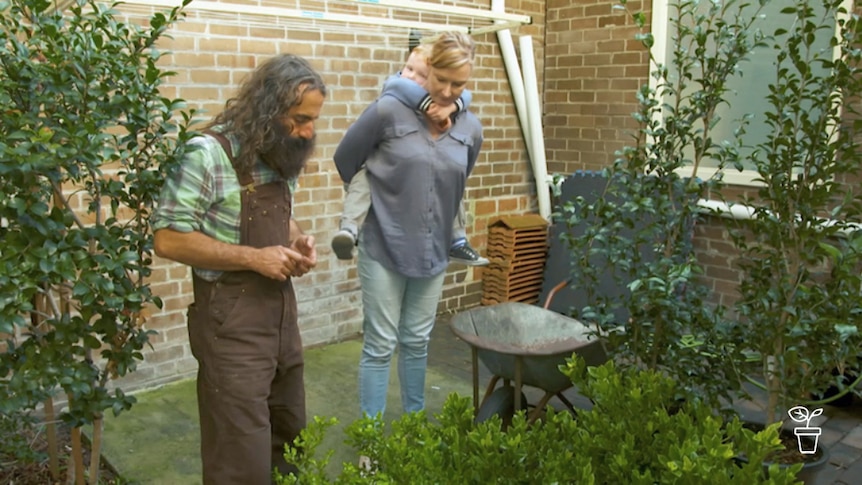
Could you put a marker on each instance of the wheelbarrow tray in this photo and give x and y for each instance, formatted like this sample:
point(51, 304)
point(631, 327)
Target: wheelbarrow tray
point(540, 339)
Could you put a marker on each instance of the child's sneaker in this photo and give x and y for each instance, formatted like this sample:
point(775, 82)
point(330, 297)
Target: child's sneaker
point(367, 467)
point(343, 243)
point(465, 254)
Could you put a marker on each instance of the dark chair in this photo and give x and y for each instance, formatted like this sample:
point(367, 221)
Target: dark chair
point(557, 292)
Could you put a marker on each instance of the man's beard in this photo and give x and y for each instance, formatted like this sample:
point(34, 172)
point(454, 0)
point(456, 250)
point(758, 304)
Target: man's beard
point(287, 154)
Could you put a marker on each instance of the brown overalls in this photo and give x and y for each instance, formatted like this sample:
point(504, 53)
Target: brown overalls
point(243, 332)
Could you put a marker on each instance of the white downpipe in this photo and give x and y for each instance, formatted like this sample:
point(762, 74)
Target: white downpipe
point(513, 70)
point(534, 113)
point(735, 211)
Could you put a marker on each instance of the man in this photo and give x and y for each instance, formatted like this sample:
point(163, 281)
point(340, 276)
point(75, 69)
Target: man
point(228, 215)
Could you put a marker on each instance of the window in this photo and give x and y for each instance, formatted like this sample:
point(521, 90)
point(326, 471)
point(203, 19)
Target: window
point(749, 89)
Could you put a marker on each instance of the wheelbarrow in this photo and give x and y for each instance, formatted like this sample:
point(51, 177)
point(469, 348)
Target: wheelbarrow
point(525, 345)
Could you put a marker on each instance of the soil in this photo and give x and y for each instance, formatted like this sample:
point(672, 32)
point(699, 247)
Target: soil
point(16, 472)
point(790, 454)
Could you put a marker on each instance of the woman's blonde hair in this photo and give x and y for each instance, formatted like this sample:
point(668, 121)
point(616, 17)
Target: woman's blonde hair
point(452, 50)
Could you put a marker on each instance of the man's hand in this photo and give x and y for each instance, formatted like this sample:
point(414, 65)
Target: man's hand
point(304, 245)
point(274, 262)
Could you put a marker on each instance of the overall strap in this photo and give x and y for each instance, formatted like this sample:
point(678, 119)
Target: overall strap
point(245, 179)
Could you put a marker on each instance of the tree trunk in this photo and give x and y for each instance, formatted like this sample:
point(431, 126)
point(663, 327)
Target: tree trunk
point(96, 451)
point(77, 457)
point(51, 430)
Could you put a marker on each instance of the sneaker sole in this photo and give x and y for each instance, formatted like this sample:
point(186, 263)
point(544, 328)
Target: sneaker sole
point(343, 246)
point(469, 262)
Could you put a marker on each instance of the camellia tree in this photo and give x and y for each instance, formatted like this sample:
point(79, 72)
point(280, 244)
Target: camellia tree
point(800, 251)
point(86, 139)
point(633, 266)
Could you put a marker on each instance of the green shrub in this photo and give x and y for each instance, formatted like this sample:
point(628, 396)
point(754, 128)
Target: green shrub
point(86, 139)
point(636, 433)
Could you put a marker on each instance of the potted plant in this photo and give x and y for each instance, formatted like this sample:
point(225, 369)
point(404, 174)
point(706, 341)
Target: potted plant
point(800, 306)
point(634, 274)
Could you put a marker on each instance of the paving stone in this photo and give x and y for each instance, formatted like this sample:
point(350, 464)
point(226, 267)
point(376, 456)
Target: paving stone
point(854, 438)
point(820, 420)
point(842, 420)
point(750, 412)
point(841, 455)
point(746, 406)
point(830, 436)
point(852, 475)
point(517, 249)
point(828, 475)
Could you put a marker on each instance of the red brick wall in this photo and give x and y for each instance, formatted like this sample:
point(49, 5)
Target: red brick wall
point(593, 69)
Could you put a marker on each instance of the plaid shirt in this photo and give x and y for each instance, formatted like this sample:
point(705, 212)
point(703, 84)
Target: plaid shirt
point(204, 195)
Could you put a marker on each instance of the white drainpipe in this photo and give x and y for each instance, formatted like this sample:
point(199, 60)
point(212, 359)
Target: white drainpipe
point(528, 106)
point(534, 113)
point(513, 70)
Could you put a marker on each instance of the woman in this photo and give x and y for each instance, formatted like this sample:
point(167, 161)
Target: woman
point(417, 172)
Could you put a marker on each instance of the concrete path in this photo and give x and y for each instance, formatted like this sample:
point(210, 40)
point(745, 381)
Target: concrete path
point(157, 441)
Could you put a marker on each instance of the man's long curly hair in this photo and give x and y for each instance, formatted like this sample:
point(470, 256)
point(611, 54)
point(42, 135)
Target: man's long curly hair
point(267, 94)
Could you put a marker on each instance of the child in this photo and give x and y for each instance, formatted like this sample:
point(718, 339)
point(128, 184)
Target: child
point(406, 86)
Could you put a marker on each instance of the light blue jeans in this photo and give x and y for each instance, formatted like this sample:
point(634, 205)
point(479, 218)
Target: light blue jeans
point(398, 311)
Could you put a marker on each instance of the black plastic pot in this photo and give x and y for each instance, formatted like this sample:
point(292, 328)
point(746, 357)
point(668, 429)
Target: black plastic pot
point(846, 400)
point(814, 462)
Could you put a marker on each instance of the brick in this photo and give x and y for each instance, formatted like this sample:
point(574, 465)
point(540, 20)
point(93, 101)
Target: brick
point(165, 354)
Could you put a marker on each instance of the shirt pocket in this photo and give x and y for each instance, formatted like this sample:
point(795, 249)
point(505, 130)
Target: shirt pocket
point(462, 138)
point(403, 144)
point(399, 131)
point(459, 152)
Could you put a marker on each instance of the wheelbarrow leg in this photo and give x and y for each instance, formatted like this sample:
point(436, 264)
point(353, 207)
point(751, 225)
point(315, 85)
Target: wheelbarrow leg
point(518, 362)
point(475, 354)
point(540, 407)
point(544, 402)
point(491, 385)
point(489, 389)
point(565, 401)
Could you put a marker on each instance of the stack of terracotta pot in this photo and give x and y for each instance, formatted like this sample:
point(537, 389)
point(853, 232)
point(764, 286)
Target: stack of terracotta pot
point(517, 250)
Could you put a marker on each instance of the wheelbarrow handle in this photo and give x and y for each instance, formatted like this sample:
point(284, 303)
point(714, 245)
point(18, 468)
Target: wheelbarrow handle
point(554, 291)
